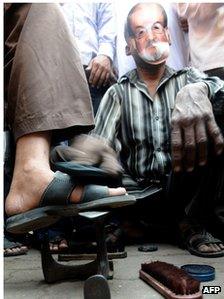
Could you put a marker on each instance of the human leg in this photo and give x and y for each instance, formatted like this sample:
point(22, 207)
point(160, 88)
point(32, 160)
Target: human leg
point(32, 174)
point(58, 235)
point(34, 183)
point(40, 105)
point(182, 189)
point(43, 101)
point(12, 244)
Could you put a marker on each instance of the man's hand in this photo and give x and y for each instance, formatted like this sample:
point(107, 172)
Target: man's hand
point(183, 24)
point(193, 125)
point(91, 150)
point(100, 69)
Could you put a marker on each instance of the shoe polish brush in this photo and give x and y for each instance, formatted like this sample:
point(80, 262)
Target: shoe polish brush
point(170, 281)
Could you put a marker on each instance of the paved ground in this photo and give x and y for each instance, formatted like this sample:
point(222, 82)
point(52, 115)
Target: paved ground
point(24, 278)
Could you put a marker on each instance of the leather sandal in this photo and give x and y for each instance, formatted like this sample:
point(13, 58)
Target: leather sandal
point(55, 204)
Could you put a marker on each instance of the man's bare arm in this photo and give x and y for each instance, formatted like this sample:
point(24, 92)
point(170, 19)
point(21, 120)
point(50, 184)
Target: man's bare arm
point(193, 127)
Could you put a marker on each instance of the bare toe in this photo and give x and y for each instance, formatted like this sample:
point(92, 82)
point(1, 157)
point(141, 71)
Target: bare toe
point(51, 246)
point(60, 245)
point(221, 245)
point(213, 247)
point(117, 191)
point(63, 244)
point(55, 247)
point(204, 248)
point(24, 248)
point(216, 247)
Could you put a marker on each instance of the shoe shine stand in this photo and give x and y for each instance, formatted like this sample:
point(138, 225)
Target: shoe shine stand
point(54, 271)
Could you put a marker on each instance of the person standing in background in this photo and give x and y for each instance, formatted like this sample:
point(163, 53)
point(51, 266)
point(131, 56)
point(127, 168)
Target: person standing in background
point(93, 26)
point(205, 25)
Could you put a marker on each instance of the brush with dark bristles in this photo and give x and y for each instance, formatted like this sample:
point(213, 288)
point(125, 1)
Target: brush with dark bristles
point(170, 281)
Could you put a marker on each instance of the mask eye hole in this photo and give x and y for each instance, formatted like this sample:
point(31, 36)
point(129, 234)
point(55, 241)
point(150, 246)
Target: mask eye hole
point(157, 28)
point(140, 33)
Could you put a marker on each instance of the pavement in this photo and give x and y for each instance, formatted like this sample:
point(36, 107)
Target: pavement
point(23, 277)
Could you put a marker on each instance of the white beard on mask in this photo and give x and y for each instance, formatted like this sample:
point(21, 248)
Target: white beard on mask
point(162, 50)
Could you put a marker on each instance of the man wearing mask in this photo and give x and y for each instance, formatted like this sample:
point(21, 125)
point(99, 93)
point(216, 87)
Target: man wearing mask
point(162, 124)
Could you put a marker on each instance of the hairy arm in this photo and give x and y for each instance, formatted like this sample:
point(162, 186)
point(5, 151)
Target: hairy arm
point(193, 125)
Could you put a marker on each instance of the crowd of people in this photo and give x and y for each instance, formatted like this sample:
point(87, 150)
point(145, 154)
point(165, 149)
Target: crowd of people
point(145, 83)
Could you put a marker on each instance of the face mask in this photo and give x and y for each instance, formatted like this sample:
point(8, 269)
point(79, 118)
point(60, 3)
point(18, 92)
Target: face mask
point(160, 53)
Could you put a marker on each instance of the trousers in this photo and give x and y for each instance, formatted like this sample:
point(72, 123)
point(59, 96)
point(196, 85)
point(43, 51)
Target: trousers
point(45, 84)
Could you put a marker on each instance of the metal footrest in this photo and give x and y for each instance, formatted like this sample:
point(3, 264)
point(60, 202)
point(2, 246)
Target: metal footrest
point(54, 271)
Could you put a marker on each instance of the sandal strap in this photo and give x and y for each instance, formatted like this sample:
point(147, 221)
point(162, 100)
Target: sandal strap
point(202, 238)
point(94, 192)
point(194, 234)
point(188, 230)
point(58, 191)
point(11, 244)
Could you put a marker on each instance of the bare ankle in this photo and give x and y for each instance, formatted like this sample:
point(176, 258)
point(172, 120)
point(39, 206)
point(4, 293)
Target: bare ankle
point(33, 165)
